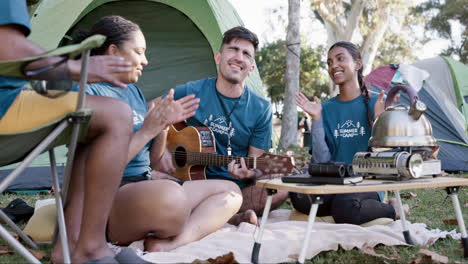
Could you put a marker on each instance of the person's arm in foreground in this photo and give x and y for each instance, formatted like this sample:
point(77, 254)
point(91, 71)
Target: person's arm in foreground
point(101, 68)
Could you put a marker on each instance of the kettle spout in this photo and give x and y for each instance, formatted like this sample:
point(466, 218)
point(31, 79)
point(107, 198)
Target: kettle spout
point(417, 109)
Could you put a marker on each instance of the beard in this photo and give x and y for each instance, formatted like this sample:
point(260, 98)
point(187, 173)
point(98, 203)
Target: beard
point(233, 79)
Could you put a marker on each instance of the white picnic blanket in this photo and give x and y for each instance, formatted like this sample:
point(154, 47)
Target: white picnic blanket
point(283, 239)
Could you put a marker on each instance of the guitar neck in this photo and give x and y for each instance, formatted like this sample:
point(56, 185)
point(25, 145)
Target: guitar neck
point(212, 159)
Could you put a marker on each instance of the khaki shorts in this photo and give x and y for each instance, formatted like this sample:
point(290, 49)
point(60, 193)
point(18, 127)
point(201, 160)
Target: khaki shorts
point(31, 110)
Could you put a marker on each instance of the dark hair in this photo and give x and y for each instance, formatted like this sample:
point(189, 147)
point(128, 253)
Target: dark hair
point(356, 54)
point(116, 29)
point(240, 33)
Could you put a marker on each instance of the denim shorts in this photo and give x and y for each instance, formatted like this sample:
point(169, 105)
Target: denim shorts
point(144, 177)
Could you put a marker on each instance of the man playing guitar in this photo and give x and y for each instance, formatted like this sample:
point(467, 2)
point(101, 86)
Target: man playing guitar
point(239, 119)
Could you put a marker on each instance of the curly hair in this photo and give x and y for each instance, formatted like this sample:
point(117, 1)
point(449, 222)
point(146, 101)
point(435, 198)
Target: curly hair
point(116, 29)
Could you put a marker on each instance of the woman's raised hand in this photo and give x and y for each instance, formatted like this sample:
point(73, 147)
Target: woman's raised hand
point(314, 109)
point(180, 110)
point(379, 106)
point(164, 111)
point(175, 111)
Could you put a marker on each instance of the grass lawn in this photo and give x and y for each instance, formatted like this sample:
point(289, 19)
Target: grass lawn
point(427, 206)
point(12, 257)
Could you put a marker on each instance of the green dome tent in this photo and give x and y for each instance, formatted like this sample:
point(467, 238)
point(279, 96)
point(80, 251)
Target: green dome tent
point(459, 74)
point(182, 37)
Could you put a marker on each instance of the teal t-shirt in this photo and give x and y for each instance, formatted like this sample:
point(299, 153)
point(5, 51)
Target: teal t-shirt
point(132, 95)
point(12, 12)
point(345, 126)
point(250, 116)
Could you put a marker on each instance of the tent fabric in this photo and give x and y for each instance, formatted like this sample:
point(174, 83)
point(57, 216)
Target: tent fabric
point(459, 73)
point(382, 77)
point(177, 51)
point(182, 37)
point(33, 178)
point(439, 95)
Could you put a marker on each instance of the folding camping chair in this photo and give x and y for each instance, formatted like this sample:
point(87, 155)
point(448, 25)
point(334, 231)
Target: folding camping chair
point(27, 145)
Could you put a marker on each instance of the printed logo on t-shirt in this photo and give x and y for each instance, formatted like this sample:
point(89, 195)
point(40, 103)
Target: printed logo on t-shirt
point(137, 118)
point(219, 125)
point(349, 130)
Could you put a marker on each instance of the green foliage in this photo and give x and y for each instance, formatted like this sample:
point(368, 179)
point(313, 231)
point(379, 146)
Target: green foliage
point(313, 76)
point(398, 42)
point(397, 45)
point(10, 256)
point(271, 62)
point(395, 48)
point(441, 14)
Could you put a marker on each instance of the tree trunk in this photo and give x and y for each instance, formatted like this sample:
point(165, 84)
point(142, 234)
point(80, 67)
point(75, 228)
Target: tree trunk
point(289, 122)
point(331, 39)
point(344, 25)
point(372, 41)
point(353, 20)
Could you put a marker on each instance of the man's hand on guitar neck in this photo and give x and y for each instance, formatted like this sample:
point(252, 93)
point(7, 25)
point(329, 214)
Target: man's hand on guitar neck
point(240, 170)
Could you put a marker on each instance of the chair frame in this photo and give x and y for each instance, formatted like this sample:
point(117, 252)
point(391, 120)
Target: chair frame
point(60, 194)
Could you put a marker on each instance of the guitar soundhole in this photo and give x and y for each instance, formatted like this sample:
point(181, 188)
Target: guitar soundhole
point(180, 157)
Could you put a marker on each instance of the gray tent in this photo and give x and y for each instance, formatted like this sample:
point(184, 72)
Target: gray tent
point(445, 92)
point(181, 35)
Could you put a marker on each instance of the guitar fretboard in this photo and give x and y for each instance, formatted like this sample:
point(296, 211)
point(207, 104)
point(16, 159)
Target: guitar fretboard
point(212, 159)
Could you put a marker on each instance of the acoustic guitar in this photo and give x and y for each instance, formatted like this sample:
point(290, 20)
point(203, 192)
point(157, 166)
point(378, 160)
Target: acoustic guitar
point(194, 148)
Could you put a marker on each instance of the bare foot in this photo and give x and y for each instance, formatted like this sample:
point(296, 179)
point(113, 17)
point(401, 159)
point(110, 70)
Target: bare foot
point(248, 216)
point(154, 244)
point(56, 256)
point(393, 202)
point(88, 256)
point(80, 255)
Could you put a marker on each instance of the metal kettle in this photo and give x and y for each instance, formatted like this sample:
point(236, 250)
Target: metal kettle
point(400, 125)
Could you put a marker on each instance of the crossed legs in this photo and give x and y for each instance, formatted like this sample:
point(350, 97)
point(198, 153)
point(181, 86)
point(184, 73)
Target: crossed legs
point(97, 172)
point(254, 199)
point(168, 215)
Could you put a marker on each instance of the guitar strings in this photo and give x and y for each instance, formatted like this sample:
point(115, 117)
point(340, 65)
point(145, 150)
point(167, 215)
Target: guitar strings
point(219, 157)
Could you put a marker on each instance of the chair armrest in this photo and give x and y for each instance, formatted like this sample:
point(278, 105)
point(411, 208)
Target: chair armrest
point(13, 68)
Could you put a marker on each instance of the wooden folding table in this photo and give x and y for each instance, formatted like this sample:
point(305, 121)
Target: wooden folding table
point(316, 192)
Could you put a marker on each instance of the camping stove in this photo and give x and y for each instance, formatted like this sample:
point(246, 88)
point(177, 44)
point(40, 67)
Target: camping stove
point(394, 163)
point(406, 135)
